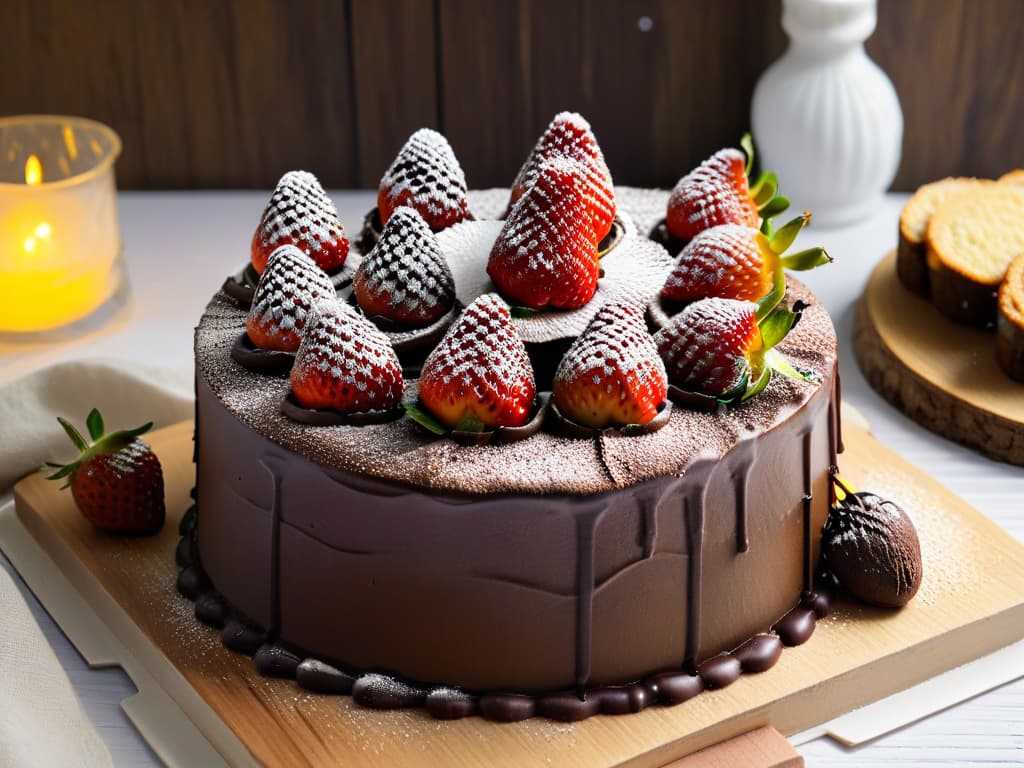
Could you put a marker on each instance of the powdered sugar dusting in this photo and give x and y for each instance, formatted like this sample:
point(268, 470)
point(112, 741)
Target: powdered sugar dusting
point(301, 213)
point(706, 196)
point(546, 254)
point(569, 135)
point(288, 288)
point(405, 277)
point(613, 366)
point(722, 261)
point(704, 346)
point(480, 368)
point(345, 363)
point(427, 176)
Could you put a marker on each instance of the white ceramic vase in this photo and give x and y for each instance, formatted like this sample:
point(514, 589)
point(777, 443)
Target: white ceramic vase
point(826, 117)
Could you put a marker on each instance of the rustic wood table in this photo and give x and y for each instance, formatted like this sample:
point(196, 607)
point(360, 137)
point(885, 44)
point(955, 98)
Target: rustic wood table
point(178, 248)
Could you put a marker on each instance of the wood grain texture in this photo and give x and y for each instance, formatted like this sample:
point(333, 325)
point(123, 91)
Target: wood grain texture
point(761, 748)
point(857, 654)
point(232, 93)
point(942, 375)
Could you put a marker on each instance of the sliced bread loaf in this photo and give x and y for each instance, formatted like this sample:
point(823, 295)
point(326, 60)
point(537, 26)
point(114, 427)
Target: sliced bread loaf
point(971, 240)
point(1010, 323)
point(911, 265)
point(1013, 177)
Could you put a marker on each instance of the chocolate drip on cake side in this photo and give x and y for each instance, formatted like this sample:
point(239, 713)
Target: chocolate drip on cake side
point(805, 442)
point(275, 546)
point(742, 460)
point(693, 522)
point(586, 526)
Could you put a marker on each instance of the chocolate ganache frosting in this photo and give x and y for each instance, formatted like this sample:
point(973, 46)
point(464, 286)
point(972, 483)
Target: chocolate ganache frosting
point(553, 564)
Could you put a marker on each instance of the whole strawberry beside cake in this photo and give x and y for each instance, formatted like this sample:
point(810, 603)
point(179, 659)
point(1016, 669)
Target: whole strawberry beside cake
point(555, 509)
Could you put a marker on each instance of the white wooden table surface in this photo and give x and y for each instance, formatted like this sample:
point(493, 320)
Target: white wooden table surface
point(180, 246)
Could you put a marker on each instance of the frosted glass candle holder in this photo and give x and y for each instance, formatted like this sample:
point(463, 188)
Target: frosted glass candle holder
point(60, 247)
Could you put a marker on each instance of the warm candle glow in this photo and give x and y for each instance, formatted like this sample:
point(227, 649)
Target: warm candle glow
point(59, 240)
point(33, 171)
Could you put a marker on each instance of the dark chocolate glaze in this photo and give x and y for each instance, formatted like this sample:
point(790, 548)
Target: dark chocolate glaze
point(244, 352)
point(581, 566)
point(326, 417)
point(562, 425)
point(382, 691)
point(666, 239)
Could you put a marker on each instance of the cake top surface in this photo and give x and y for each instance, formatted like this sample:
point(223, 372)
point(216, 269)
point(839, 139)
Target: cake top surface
point(399, 452)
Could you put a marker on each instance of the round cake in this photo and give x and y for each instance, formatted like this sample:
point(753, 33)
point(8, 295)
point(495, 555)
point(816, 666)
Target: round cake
point(557, 575)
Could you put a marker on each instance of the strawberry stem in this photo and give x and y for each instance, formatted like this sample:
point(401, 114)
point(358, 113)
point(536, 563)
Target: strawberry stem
point(777, 362)
point(786, 234)
point(747, 144)
point(776, 325)
point(771, 300)
point(74, 434)
point(801, 261)
point(759, 384)
point(424, 419)
point(94, 423)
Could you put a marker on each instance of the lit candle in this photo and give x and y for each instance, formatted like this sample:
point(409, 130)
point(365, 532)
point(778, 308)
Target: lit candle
point(59, 239)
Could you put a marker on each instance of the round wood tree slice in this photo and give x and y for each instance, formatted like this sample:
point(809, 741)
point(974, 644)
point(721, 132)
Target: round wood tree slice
point(942, 375)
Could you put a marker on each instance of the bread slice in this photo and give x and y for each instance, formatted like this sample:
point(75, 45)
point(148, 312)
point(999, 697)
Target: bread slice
point(911, 265)
point(1010, 322)
point(1013, 177)
point(971, 240)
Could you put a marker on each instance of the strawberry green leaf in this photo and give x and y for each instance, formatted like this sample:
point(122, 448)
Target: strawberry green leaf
point(776, 325)
point(747, 144)
point(771, 300)
point(470, 424)
point(801, 261)
point(74, 434)
point(736, 393)
point(765, 190)
point(424, 419)
point(773, 207)
point(777, 362)
point(63, 471)
point(786, 234)
point(759, 384)
point(94, 421)
point(516, 311)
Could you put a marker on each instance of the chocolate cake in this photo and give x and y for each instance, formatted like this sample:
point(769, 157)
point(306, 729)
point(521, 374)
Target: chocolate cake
point(563, 574)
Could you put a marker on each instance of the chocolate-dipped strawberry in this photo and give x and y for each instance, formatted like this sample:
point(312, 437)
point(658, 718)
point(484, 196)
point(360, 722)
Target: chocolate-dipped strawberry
point(426, 176)
point(479, 377)
point(345, 364)
point(721, 349)
point(405, 278)
point(545, 256)
point(871, 546)
point(569, 135)
point(288, 289)
point(719, 191)
point(736, 261)
point(612, 375)
point(300, 213)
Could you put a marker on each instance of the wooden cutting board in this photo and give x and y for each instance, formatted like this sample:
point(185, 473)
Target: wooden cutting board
point(965, 609)
point(942, 375)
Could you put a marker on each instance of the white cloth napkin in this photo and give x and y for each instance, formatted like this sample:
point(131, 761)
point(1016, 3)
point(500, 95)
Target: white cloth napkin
point(42, 723)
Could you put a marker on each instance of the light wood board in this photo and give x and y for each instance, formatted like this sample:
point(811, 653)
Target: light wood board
point(857, 655)
point(942, 375)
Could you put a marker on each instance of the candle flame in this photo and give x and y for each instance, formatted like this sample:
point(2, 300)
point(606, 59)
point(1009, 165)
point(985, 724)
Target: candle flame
point(33, 171)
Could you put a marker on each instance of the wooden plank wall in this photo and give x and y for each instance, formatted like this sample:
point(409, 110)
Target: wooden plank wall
point(231, 93)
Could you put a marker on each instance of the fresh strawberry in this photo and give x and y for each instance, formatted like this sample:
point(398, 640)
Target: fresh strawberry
point(723, 348)
point(546, 253)
point(426, 176)
point(612, 374)
point(288, 289)
point(569, 135)
point(733, 261)
point(405, 278)
point(480, 376)
point(299, 213)
point(345, 363)
point(718, 192)
point(116, 481)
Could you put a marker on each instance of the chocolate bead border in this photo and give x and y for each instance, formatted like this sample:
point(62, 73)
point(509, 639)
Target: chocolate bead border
point(379, 691)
